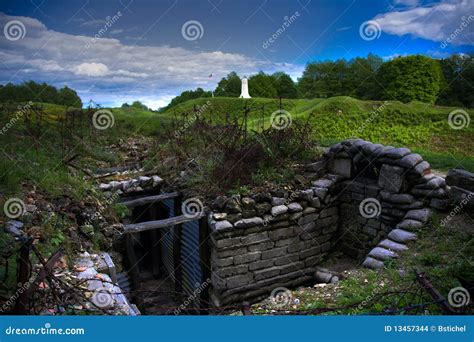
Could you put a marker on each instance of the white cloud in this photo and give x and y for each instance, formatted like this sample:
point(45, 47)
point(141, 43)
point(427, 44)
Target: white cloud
point(91, 69)
point(409, 3)
point(435, 22)
point(108, 70)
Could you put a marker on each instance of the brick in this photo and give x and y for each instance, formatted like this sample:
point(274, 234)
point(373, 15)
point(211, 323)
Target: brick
point(257, 265)
point(229, 242)
point(310, 252)
point(296, 266)
point(287, 259)
point(275, 252)
point(231, 252)
point(267, 273)
point(307, 219)
point(254, 238)
point(328, 212)
point(239, 280)
point(246, 258)
point(286, 242)
point(281, 233)
point(261, 246)
point(230, 271)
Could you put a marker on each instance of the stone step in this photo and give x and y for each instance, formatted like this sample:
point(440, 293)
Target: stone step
point(410, 224)
point(372, 263)
point(401, 236)
point(392, 245)
point(382, 254)
point(421, 215)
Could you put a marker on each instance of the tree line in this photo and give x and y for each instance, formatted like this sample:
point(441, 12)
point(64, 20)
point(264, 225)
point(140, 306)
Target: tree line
point(39, 92)
point(447, 81)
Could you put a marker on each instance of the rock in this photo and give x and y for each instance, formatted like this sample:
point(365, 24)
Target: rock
point(397, 153)
point(278, 201)
point(401, 236)
point(233, 205)
point(392, 245)
point(156, 180)
point(397, 198)
point(440, 204)
point(249, 222)
point(89, 273)
point(460, 178)
point(294, 207)
point(410, 160)
point(427, 193)
point(219, 203)
point(323, 183)
point(432, 184)
point(14, 227)
point(306, 195)
point(263, 208)
point(105, 186)
point(341, 166)
point(248, 203)
point(222, 225)
point(422, 215)
point(219, 216)
point(315, 202)
point(279, 210)
point(372, 263)
point(422, 168)
point(410, 224)
point(461, 196)
point(87, 229)
point(391, 178)
point(381, 253)
point(320, 193)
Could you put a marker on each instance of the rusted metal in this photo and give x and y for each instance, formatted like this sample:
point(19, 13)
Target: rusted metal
point(434, 293)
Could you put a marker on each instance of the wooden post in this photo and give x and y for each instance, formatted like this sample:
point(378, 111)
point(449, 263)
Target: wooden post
point(22, 304)
point(246, 309)
point(132, 259)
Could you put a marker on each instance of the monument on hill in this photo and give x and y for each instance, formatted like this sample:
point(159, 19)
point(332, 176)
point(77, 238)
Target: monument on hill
point(244, 93)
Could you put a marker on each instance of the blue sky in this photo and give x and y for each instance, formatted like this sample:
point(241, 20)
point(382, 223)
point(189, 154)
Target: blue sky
point(115, 51)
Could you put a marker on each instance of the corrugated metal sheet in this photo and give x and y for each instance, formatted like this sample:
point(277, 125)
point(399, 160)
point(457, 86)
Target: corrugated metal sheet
point(167, 242)
point(190, 260)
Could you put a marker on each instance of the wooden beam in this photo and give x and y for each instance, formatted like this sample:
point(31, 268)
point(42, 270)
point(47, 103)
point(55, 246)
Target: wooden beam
point(149, 199)
point(159, 224)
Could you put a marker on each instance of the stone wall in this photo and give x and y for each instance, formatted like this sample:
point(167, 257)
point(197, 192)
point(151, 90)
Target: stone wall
point(362, 197)
point(250, 256)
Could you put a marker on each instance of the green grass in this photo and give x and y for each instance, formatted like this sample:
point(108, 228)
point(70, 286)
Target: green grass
point(419, 126)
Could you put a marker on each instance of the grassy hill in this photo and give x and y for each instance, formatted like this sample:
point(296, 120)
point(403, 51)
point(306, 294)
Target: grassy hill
point(422, 127)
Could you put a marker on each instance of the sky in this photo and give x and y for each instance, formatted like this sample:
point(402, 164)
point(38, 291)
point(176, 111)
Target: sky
point(116, 51)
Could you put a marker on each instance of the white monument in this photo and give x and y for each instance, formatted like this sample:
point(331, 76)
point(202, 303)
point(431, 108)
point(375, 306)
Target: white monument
point(244, 93)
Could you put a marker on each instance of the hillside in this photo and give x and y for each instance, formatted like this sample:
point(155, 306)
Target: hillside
point(422, 127)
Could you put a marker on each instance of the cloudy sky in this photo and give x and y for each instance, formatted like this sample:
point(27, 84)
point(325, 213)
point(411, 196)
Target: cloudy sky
point(115, 51)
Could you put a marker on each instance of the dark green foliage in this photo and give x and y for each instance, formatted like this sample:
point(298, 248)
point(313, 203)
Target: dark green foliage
point(229, 86)
point(411, 78)
point(458, 84)
point(262, 85)
point(285, 86)
point(39, 92)
point(188, 95)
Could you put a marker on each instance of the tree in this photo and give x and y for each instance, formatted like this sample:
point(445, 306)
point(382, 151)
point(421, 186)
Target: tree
point(188, 95)
point(229, 86)
point(262, 85)
point(458, 81)
point(362, 77)
point(324, 79)
point(69, 97)
point(285, 86)
point(139, 105)
point(410, 78)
